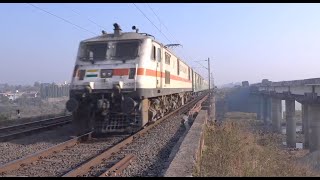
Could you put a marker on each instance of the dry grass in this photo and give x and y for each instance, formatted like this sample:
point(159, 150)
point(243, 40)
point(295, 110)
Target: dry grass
point(240, 115)
point(233, 149)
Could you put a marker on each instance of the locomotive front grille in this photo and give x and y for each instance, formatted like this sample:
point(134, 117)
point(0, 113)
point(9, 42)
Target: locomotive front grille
point(115, 122)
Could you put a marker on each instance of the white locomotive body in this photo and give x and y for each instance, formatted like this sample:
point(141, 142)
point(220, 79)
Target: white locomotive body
point(122, 81)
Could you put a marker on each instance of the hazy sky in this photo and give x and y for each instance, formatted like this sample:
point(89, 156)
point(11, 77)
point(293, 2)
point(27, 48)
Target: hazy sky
point(245, 41)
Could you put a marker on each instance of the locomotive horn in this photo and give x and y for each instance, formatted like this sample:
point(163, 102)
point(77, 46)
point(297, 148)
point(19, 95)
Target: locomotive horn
point(117, 29)
point(135, 28)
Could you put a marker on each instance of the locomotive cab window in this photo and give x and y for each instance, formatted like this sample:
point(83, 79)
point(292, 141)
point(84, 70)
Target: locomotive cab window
point(126, 49)
point(94, 52)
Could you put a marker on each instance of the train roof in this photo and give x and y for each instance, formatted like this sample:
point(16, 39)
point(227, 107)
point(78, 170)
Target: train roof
point(122, 36)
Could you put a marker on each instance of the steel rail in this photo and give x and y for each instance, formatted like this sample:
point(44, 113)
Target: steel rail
point(87, 166)
point(19, 130)
point(13, 165)
point(116, 169)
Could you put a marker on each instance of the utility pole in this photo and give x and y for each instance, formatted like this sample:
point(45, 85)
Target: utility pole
point(209, 79)
point(212, 81)
point(209, 75)
point(210, 106)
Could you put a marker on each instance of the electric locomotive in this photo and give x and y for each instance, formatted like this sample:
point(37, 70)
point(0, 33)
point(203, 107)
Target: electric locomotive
point(123, 80)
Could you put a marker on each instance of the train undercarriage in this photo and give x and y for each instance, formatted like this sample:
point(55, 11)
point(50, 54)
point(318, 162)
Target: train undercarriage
point(116, 112)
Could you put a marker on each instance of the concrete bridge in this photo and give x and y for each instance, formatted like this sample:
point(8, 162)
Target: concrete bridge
point(268, 96)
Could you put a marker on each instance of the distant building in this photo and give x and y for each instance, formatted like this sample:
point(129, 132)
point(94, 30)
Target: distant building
point(54, 90)
point(245, 83)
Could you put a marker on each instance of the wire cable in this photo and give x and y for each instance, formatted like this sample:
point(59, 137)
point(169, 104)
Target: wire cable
point(151, 22)
point(93, 22)
point(161, 22)
point(65, 20)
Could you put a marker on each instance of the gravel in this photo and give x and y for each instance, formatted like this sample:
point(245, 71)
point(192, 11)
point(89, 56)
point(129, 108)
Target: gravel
point(27, 145)
point(63, 161)
point(151, 150)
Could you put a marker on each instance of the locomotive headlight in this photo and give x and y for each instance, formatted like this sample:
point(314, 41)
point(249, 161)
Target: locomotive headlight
point(106, 73)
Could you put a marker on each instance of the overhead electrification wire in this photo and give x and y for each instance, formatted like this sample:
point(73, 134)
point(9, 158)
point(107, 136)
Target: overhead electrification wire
point(65, 20)
point(93, 22)
point(161, 22)
point(151, 22)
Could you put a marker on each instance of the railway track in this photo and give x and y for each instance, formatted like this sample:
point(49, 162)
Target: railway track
point(85, 156)
point(15, 131)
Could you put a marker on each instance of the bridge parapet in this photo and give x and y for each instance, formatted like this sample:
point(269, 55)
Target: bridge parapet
point(288, 88)
point(266, 82)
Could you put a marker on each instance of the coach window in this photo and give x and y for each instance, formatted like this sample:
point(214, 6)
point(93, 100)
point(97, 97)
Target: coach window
point(153, 53)
point(159, 55)
point(188, 73)
point(167, 58)
point(167, 77)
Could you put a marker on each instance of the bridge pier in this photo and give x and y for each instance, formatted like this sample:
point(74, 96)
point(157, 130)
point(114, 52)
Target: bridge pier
point(302, 125)
point(269, 110)
point(276, 114)
point(305, 124)
point(314, 120)
point(261, 108)
point(290, 123)
point(265, 109)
